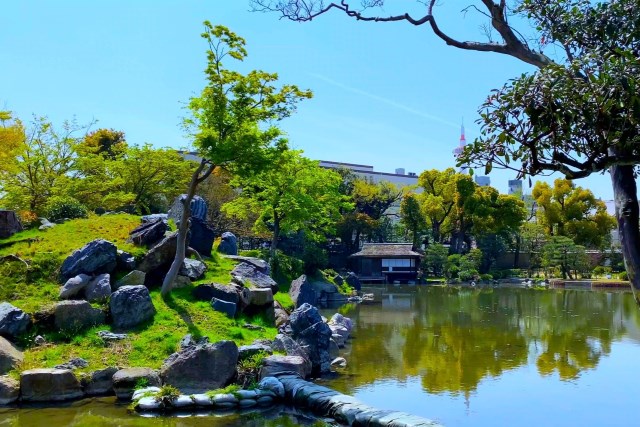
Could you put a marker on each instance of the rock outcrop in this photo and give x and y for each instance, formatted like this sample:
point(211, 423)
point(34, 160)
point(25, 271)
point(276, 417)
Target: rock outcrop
point(96, 257)
point(131, 306)
point(302, 292)
point(9, 390)
point(49, 385)
point(9, 224)
point(313, 335)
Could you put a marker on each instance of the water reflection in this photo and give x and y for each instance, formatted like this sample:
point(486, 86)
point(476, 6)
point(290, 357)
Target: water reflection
point(452, 339)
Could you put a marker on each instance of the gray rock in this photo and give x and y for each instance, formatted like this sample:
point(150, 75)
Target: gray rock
point(224, 400)
point(110, 336)
point(246, 351)
point(73, 286)
point(126, 380)
point(260, 296)
point(155, 217)
point(339, 362)
point(181, 282)
point(203, 367)
point(45, 224)
point(149, 232)
point(75, 363)
point(39, 340)
point(261, 265)
point(193, 269)
point(203, 236)
point(198, 208)
point(353, 281)
point(339, 319)
point(209, 291)
point(273, 385)
point(228, 244)
point(276, 364)
point(188, 341)
point(281, 315)
point(160, 255)
point(313, 335)
point(96, 257)
point(99, 382)
point(338, 280)
point(265, 400)
point(140, 392)
point(202, 400)
point(148, 404)
point(303, 317)
point(9, 390)
point(125, 261)
point(339, 330)
point(73, 316)
point(13, 321)
point(225, 307)
point(301, 292)
point(131, 306)
point(247, 403)
point(284, 343)
point(250, 276)
point(10, 356)
point(134, 278)
point(9, 224)
point(46, 385)
point(99, 288)
point(334, 349)
point(338, 339)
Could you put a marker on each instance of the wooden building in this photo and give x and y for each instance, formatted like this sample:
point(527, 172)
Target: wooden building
point(386, 263)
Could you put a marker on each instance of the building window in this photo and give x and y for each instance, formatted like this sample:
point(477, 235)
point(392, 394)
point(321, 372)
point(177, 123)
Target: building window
point(394, 264)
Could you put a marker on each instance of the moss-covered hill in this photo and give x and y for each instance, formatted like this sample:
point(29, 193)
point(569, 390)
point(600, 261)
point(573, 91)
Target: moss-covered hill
point(35, 288)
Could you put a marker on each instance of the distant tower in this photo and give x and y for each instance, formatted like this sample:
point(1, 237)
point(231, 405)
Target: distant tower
point(464, 168)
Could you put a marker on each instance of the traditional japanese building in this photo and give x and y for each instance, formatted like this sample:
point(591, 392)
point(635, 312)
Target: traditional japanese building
point(386, 263)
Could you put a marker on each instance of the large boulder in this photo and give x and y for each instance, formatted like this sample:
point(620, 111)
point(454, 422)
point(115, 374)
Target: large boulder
point(13, 321)
point(251, 276)
point(302, 291)
point(9, 390)
point(99, 382)
point(74, 286)
point(133, 278)
point(353, 281)
point(228, 244)
point(202, 236)
point(126, 380)
point(202, 367)
point(10, 357)
point(125, 261)
point(226, 307)
point(96, 257)
point(280, 314)
point(9, 224)
point(193, 269)
point(260, 297)
point(99, 288)
point(304, 317)
point(277, 364)
point(209, 291)
point(46, 385)
point(261, 265)
point(131, 306)
point(161, 255)
point(73, 316)
point(198, 208)
point(149, 232)
point(313, 335)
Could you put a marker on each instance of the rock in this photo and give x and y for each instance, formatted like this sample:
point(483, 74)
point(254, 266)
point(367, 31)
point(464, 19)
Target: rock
point(281, 315)
point(139, 393)
point(198, 208)
point(73, 286)
point(155, 217)
point(45, 224)
point(13, 321)
point(161, 255)
point(303, 317)
point(265, 400)
point(273, 385)
point(202, 400)
point(353, 281)
point(338, 339)
point(252, 277)
point(339, 330)
point(225, 307)
point(134, 278)
point(188, 341)
point(301, 292)
point(125, 261)
point(202, 236)
point(110, 336)
point(338, 280)
point(9, 224)
point(260, 297)
point(74, 316)
point(202, 367)
point(339, 362)
point(47, 385)
point(131, 306)
point(149, 404)
point(339, 319)
point(39, 340)
point(10, 356)
point(246, 351)
point(126, 380)
point(261, 265)
point(247, 403)
point(228, 244)
point(284, 343)
point(313, 335)
point(96, 257)
point(182, 401)
point(99, 288)
point(9, 390)
point(193, 269)
point(276, 364)
point(334, 349)
point(75, 363)
point(99, 382)
point(215, 290)
point(149, 232)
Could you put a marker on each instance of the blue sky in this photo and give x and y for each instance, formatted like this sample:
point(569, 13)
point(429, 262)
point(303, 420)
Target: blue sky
point(388, 95)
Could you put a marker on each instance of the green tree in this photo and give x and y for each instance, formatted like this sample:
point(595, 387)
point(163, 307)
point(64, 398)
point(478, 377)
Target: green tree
point(12, 137)
point(532, 238)
point(438, 199)
point(562, 252)
point(435, 258)
point(293, 194)
point(412, 217)
point(232, 122)
point(107, 142)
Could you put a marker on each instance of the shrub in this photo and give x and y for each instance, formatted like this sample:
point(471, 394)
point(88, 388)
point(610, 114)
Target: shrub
point(467, 275)
point(167, 395)
point(58, 208)
point(623, 276)
point(486, 277)
point(28, 218)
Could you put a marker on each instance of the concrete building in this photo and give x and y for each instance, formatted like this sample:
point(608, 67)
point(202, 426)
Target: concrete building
point(482, 181)
point(515, 186)
point(399, 178)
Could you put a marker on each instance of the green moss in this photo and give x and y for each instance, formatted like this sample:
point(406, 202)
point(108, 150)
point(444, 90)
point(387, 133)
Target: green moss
point(285, 300)
point(230, 389)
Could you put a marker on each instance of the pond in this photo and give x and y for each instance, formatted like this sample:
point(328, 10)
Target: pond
point(493, 357)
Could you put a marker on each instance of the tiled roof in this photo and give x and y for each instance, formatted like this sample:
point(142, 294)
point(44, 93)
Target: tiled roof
point(381, 250)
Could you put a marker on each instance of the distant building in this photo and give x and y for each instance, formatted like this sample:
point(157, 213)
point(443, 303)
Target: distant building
point(457, 152)
point(399, 178)
point(515, 186)
point(386, 262)
point(483, 181)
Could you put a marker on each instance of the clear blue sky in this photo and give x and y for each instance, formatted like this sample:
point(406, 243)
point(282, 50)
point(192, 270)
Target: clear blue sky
point(388, 95)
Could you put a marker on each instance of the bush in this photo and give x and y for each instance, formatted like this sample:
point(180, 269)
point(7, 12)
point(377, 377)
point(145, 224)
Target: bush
point(486, 277)
point(623, 276)
point(468, 275)
point(58, 208)
point(28, 219)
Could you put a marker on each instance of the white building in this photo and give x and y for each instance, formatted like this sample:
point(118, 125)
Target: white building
point(483, 181)
point(515, 186)
point(399, 178)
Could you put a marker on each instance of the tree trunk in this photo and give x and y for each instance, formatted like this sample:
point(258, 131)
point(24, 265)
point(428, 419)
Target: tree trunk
point(627, 213)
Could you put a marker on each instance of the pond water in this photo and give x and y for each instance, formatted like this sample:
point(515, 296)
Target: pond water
point(496, 357)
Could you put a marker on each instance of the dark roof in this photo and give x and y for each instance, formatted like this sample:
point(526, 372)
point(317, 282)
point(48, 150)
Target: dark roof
point(382, 250)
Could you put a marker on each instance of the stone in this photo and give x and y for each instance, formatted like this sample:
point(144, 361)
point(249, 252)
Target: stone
point(286, 344)
point(252, 277)
point(340, 331)
point(209, 291)
point(96, 257)
point(99, 382)
point(246, 351)
point(225, 307)
point(228, 244)
point(9, 390)
point(277, 364)
point(73, 286)
point(188, 341)
point(265, 400)
point(202, 367)
point(39, 340)
point(334, 349)
point(126, 380)
point(224, 400)
point(202, 236)
point(260, 297)
point(273, 385)
point(338, 339)
point(155, 217)
point(110, 336)
point(193, 269)
point(125, 261)
point(75, 363)
point(198, 208)
point(161, 255)
point(247, 403)
point(149, 404)
point(130, 306)
point(353, 281)
point(301, 292)
point(303, 317)
point(47, 385)
point(281, 315)
point(313, 335)
point(202, 399)
point(13, 321)
point(338, 280)
point(74, 316)
point(9, 224)
point(45, 224)
point(149, 232)
point(139, 393)
point(10, 356)
point(339, 362)
point(99, 288)
point(134, 278)
point(261, 265)
point(339, 319)
point(182, 401)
